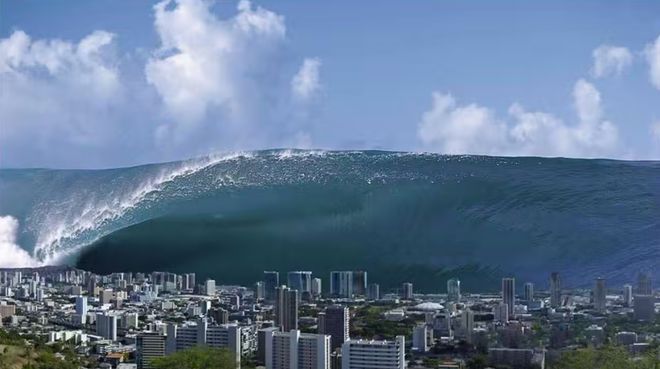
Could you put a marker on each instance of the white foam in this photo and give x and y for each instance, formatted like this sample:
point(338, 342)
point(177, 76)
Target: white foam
point(11, 254)
point(98, 210)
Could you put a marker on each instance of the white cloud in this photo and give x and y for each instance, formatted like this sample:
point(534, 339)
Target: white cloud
point(467, 129)
point(652, 53)
point(13, 256)
point(610, 60)
point(56, 95)
point(472, 129)
point(213, 84)
point(307, 82)
point(208, 64)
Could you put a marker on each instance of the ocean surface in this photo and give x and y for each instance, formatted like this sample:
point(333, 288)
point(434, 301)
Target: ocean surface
point(401, 216)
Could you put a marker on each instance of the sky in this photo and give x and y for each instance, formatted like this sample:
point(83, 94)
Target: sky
point(98, 84)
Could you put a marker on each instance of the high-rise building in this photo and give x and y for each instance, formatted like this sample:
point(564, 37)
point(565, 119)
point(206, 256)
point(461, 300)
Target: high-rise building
point(334, 321)
point(261, 343)
point(454, 290)
point(259, 290)
point(360, 354)
point(341, 284)
point(529, 291)
point(295, 350)
point(644, 285)
point(286, 308)
point(555, 290)
point(182, 337)
point(373, 292)
point(300, 281)
point(407, 291)
point(627, 295)
point(106, 326)
point(316, 287)
point(149, 345)
point(271, 282)
point(81, 308)
point(509, 293)
point(501, 312)
point(644, 308)
point(467, 324)
point(209, 287)
point(599, 294)
point(421, 340)
point(359, 283)
point(188, 282)
point(105, 296)
point(91, 286)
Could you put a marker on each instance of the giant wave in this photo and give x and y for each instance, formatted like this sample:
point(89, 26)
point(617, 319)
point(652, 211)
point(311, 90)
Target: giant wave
point(422, 217)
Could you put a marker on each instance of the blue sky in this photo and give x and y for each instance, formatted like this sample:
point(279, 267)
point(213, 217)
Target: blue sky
point(496, 78)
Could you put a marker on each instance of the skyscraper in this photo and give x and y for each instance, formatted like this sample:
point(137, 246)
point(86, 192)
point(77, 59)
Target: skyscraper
point(373, 292)
point(341, 284)
point(644, 308)
point(300, 281)
point(359, 354)
point(529, 291)
point(555, 290)
point(271, 282)
point(316, 287)
point(509, 293)
point(105, 296)
point(467, 324)
point(453, 290)
point(106, 326)
point(627, 295)
point(501, 313)
point(407, 291)
point(259, 290)
point(421, 338)
point(644, 285)
point(286, 308)
point(81, 308)
point(295, 350)
point(335, 322)
point(209, 287)
point(359, 283)
point(599, 294)
point(91, 286)
point(149, 346)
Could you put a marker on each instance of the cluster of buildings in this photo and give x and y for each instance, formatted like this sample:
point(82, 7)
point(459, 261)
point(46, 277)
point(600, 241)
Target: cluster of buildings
point(125, 320)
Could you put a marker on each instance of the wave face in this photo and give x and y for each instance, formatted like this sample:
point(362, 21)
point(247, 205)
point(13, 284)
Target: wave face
point(422, 217)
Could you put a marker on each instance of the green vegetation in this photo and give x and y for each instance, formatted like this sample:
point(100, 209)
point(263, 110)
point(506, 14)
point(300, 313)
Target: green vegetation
point(31, 352)
point(197, 358)
point(369, 322)
point(609, 357)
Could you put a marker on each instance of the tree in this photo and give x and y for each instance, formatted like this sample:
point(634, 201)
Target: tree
point(605, 358)
point(477, 362)
point(197, 358)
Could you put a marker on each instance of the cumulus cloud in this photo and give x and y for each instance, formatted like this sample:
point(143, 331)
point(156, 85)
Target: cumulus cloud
point(55, 93)
point(652, 53)
point(212, 84)
point(307, 82)
point(473, 129)
point(13, 256)
point(466, 129)
point(225, 68)
point(610, 60)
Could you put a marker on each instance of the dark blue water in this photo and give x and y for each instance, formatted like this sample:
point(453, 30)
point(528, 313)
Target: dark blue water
point(418, 217)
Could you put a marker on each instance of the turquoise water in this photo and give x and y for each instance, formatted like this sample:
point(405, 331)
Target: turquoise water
point(418, 217)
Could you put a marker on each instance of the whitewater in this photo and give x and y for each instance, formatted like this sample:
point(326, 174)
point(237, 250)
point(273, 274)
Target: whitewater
point(584, 217)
